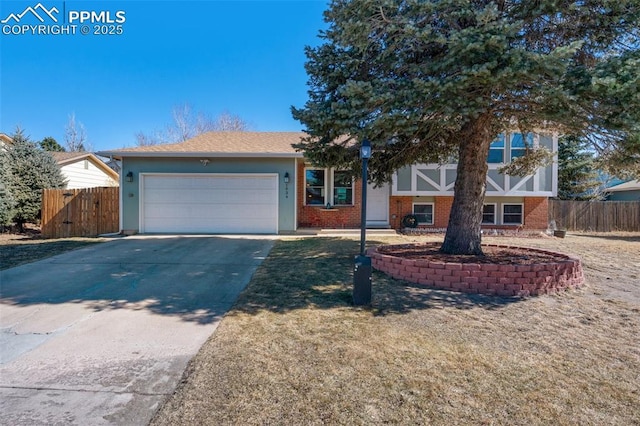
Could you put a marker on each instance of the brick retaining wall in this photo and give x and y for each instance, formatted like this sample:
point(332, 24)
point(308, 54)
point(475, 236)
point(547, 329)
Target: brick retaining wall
point(486, 278)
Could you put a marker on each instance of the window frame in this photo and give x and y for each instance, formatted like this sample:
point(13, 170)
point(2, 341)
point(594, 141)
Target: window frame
point(324, 187)
point(433, 214)
point(521, 205)
point(526, 138)
point(500, 148)
point(334, 187)
point(328, 195)
point(495, 213)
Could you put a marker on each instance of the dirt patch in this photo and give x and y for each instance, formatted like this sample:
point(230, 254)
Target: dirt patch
point(507, 255)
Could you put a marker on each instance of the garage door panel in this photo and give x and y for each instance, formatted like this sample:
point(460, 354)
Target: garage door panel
point(216, 205)
point(186, 228)
point(210, 204)
point(169, 183)
point(209, 196)
point(221, 212)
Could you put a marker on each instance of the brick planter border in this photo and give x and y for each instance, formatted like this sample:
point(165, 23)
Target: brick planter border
point(485, 278)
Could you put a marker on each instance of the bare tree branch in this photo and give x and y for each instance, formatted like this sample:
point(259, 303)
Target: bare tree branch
point(188, 124)
point(75, 135)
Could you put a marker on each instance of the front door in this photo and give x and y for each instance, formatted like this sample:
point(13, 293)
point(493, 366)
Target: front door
point(377, 206)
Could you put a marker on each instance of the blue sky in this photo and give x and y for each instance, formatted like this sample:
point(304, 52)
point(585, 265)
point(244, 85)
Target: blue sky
point(243, 57)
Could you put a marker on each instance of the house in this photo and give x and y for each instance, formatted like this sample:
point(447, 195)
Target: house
point(627, 191)
point(80, 169)
point(84, 170)
point(255, 182)
point(5, 139)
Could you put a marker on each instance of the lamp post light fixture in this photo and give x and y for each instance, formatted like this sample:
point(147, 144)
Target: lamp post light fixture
point(362, 269)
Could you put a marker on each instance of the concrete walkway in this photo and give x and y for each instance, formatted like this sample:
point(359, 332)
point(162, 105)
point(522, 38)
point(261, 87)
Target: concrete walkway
point(102, 335)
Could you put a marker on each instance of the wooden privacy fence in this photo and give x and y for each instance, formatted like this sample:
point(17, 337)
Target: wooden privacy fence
point(598, 216)
point(80, 212)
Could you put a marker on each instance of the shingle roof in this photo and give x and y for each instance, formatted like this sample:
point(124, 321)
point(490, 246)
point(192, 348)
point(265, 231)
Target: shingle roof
point(227, 144)
point(4, 138)
point(65, 157)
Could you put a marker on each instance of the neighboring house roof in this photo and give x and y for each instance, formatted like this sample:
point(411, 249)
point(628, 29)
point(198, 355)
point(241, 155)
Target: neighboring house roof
point(5, 139)
point(221, 144)
point(65, 158)
point(632, 185)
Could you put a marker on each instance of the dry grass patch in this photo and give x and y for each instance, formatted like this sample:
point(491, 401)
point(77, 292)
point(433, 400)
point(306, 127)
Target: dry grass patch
point(18, 249)
point(294, 351)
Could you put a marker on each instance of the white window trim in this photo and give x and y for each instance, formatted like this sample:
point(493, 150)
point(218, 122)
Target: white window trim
point(521, 214)
point(329, 186)
point(495, 214)
point(333, 187)
point(433, 212)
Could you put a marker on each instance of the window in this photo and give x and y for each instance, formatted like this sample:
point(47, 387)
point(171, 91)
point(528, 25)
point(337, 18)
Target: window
point(512, 214)
point(342, 188)
point(489, 214)
point(315, 187)
point(424, 213)
point(518, 145)
point(496, 150)
point(320, 189)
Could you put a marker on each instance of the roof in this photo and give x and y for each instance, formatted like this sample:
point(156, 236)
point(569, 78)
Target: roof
point(65, 158)
point(632, 185)
point(4, 138)
point(69, 157)
point(221, 144)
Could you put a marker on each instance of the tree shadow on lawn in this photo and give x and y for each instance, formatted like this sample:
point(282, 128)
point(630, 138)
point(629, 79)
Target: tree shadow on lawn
point(198, 279)
point(318, 272)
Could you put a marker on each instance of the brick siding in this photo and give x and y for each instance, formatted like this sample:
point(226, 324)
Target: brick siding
point(535, 211)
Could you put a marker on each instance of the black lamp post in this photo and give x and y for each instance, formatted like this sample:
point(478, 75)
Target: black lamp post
point(362, 269)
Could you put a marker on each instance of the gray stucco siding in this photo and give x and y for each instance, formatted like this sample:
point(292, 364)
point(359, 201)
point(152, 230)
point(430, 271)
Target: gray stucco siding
point(130, 191)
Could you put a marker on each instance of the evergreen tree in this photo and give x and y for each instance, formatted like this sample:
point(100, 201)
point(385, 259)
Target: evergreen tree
point(577, 175)
point(51, 145)
point(7, 203)
point(430, 80)
point(27, 170)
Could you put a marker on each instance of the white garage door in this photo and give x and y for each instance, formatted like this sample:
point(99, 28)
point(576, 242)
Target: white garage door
point(211, 203)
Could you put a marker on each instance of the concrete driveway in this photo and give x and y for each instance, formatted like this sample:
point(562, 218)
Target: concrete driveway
point(102, 335)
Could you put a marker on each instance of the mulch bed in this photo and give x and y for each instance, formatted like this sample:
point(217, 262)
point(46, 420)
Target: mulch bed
point(492, 254)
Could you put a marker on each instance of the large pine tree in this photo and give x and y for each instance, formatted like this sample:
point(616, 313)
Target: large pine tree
point(26, 171)
point(428, 80)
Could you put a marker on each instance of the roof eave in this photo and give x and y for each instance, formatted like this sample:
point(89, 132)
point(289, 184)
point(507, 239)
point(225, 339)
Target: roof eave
point(71, 160)
point(120, 154)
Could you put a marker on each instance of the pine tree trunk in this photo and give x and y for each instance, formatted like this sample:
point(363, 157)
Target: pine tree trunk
point(463, 232)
